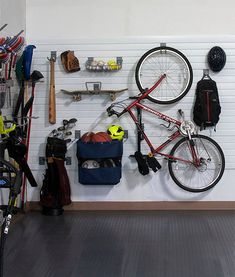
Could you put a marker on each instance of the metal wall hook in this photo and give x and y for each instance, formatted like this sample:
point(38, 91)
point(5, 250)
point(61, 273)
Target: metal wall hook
point(53, 56)
point(206, 74)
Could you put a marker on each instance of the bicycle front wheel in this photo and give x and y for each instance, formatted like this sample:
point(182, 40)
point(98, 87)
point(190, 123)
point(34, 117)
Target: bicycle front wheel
point(169, 61)
point(197, 178)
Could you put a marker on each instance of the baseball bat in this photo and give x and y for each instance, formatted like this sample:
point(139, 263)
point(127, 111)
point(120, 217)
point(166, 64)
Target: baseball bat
point(52, 100)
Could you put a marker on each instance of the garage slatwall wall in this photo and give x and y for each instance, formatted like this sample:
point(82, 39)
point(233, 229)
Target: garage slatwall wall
point(90, 111)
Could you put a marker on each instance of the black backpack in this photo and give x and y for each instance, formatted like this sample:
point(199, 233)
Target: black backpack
point(207, 105)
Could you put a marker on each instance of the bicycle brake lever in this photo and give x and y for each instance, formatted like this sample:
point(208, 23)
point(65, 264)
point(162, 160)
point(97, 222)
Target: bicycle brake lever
point(173, 127)
point(110, 111)
point(181, 113)
point(167, 127)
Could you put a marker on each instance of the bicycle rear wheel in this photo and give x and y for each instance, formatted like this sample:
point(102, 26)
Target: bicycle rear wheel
point(169, 61)
point(197, 178)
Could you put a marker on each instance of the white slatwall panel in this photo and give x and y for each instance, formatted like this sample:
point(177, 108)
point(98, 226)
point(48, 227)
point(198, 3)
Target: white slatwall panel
point(90, 111)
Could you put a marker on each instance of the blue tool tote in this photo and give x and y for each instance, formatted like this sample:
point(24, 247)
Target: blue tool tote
point(99, 163)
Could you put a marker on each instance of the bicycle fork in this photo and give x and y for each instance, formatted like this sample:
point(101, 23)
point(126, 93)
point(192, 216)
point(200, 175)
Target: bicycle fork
point(196, 160)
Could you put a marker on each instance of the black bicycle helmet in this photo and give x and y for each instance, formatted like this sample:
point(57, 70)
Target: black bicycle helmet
point(216, 58)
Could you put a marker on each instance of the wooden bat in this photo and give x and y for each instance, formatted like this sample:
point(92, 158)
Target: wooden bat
point(52, 102)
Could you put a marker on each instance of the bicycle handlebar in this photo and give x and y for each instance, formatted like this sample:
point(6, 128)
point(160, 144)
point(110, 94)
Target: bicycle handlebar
point(111, 111)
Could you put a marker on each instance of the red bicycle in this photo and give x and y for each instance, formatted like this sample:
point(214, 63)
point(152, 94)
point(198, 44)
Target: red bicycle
point(196, 162)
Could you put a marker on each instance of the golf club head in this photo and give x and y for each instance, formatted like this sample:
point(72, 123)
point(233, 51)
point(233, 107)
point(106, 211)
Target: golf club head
point(53, 133)
point(61, 128)
point(59, 135)
point(68, 134)
point(65, 122)
point(72, 121)
point(36, 76)
point(67, 140)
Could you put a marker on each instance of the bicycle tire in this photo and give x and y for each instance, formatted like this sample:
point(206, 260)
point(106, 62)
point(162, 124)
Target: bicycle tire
point(153, 64)
point(2, 246)
point(6, 170)
point(204, 177)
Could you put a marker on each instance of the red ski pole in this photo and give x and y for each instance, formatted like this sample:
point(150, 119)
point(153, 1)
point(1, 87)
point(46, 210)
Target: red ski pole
point(36, 76)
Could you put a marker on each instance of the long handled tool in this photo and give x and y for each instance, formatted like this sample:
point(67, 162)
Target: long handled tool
point(52, 102)
point(27, 61)
point(1, 28)
point(3, 88)
point(36, 76)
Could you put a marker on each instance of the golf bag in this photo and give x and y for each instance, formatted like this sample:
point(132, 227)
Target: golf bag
point(55, 192)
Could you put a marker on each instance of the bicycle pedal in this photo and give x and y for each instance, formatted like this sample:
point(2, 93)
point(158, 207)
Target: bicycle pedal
point(153, 163)
point(142, 163)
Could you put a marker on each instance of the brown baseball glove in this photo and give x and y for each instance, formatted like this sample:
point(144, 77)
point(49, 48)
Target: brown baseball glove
point(69, 61)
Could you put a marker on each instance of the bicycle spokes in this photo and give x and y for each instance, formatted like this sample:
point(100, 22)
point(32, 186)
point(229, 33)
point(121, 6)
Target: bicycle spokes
point(202, 171)
point(167, 61)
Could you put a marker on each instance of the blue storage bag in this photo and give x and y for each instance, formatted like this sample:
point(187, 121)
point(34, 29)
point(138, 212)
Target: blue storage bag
point(100, 152)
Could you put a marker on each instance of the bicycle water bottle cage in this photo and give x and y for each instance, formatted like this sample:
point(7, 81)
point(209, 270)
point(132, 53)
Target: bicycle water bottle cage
point(187, 127)
point(3, 130)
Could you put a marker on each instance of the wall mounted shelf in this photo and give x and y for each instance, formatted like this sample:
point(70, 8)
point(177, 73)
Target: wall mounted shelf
point(111, 65)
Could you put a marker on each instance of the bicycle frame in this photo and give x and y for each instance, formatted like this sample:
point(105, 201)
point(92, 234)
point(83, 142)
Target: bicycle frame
point(163, 117)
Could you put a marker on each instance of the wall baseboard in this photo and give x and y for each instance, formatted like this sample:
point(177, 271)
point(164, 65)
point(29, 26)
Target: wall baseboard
point(142, 206)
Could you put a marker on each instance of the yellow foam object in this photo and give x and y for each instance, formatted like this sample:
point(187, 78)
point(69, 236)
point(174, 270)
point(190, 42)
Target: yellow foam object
point(4, 131)
point(113, 65)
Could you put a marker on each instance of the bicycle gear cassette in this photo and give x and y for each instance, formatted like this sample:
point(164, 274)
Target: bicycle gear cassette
point(187, 127)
